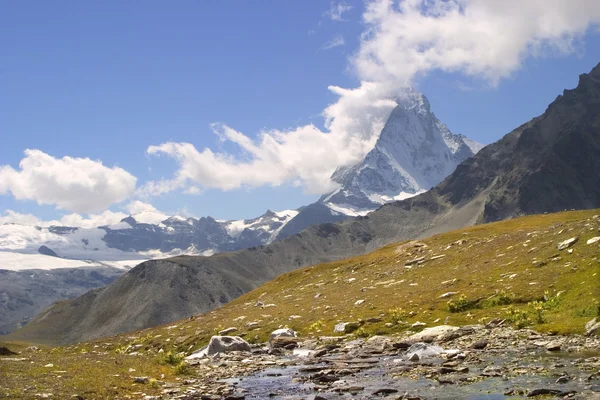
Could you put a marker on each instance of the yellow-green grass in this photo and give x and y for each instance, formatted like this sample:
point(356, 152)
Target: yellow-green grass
point(482, 263)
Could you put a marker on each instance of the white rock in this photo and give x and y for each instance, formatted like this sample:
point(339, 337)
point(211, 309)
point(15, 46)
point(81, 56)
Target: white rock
point(567, 243)
point(448, 294)
point(593, 240)
point(358, 302)
point(418, 324)
point(228, 330)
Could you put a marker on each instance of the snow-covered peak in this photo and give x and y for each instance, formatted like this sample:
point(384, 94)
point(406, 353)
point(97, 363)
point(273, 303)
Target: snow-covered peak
point(269, 224)
point(415, 151)
point(149, 217)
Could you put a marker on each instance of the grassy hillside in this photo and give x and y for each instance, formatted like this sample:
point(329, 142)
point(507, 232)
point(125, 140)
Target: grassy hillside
point(510, 270)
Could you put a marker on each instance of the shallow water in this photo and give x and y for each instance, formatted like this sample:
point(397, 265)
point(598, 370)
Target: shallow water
point(537, 372)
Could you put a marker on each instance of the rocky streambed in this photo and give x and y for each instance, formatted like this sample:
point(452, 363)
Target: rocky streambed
point(472, 362)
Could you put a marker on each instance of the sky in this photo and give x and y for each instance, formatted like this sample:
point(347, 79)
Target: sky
point(231, 108)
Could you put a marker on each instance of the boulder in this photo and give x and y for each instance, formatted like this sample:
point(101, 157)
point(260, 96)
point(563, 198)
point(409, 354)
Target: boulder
point(592, 327)
point(221, 344)
point(346, 327)
point(281, 337)
point(434, 333)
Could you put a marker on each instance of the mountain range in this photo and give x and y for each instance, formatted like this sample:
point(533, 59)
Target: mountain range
point(547, 164)
point(414, 152)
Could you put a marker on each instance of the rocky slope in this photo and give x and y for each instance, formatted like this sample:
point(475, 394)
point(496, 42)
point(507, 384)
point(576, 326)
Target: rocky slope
point(545, 165)
point(23, 294)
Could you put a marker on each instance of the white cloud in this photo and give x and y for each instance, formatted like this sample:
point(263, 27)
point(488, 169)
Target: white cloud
point(487, 39)
point(75, 220)
point(337, 40)
point(137, 206)
point(305, 155)
point(13, 217)
point(336, 11)
point(92, 220)
point(482, 38)
point(76, 184)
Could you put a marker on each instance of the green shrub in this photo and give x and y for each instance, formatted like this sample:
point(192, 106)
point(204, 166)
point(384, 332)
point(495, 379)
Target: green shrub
point(461, 304)
point(538, 308)
point(171, 358)
point(503, 298)
point(397, 314)
point(518, 318)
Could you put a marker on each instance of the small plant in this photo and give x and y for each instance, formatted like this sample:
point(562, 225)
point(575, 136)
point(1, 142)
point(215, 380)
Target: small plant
point(518, 318)
point(551, 301)
point(171, 358)
point(596, 306)
point(181, 368)
point(538, 308)
point(397, 314)
point(461, 304)
point(315, 326)
point(503, 298)
point(361, 333)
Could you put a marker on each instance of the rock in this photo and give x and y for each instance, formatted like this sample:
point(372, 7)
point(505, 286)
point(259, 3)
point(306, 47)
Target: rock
point(540, 392)
point(414, 261)
point(448, 294)
point(491, 371)
point(373, 320)
point(4, 351)
point(553, 346)
point(346, 327)
point(384, 391)
point(283, 332)
point(418, 324)
point(593, 240)
point(141, 379)
point(414, 357)
point(479, 345)
point(221, 344)
point(47, 251)
point(432, 334)
point(358, 302)
point(226, 331)
point(592, 327)
point(48, 365)
point(562, 379)
point(567, 243)
point(423, 350)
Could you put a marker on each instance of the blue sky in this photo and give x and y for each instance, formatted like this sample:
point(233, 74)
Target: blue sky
point(106, 80)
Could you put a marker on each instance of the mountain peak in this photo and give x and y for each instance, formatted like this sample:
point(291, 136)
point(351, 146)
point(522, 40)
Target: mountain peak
point(415, 151)
point(412, 99)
